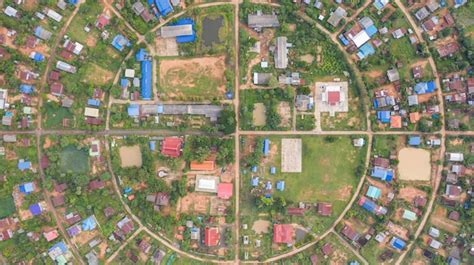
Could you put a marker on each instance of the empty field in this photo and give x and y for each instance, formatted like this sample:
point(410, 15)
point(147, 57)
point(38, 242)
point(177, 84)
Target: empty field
point(130, 156)
point(74, 160)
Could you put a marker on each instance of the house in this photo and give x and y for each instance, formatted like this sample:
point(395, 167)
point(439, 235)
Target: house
point(164, 7)
point(96, 184)
point(337, 16)
point(171, 146)
point(144, 246)
point(425, 87)
point(455, 157)
point(262, 78)
point(91, 112)
point(259, 21)
point(60, 188)
point(459, 170)
point(24, 165)
point(225, 190)
point(211, 236)
point(102, 21)
point(370, 206)
point(409, 215)
point(295, 211)
point(109, 212)
point(422, 13)
point(290, 79)
point(433, 232)
point(397, 243)
point(63, 66)
point(3, 98)
point(36, 209)
point(380, 4)
point(395, 122)
point(430, 24)
point(373, 192)
point(414, 141)
point(419, 201)
point(414, 117)
point(72, 218)
point(11, 12)
point(385, 174)
point(324, 209)
point(393, 75)
point(138, 8)
point(398, 33)
point(448, 49)
point(350, 233)
point(27, 188)
point(283, 234)
point(381, 162)
point(281, 53)
point(417, 72)
point(43, 34)
point(58, 200)
point(51, 235)
point(9, 138)
point(434, 243)
point(365, 50)
point(59, 253)
point(454, 215)
point(327, 249)
point(56, 89)
point(266, 147)
point(358, 142)
point(53, 76)
point(125, 225)
point(207, 165)
point(453, 190)
point(146, 72)
point(119, 42)
point(432, 5)
point(182, 30)
point(53, 15)
point(94, 151)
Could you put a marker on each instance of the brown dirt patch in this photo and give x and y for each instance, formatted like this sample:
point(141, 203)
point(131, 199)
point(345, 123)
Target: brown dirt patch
point(166, 47)
point(390, 90)
point(30, 4)
point(85, 237)
point(409, 193)
point(259, 114)
point(344, 193)
point(194, 203)
point(97, 75)
point(47, 143)
point(307, 58)
point(91, 41)
point(284, 110)
point(456, 142)
point(425, 97)
point(439, 219)
point(130, 156)
point(397, 230)
point(374, 73)
point(414, 164)
point(261, 226)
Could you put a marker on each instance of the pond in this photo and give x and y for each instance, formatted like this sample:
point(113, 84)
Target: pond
point(210, 30)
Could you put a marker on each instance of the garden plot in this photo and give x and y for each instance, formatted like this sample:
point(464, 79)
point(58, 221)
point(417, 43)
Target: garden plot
point(414, 164)
point(130, 156)
point(193, 79)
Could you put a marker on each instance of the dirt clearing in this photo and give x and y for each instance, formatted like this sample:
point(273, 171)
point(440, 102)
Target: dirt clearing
point(261, 226)
point(414, 164)
point(97, 75)
point(284, 110)
point(259, 114)
point(410, 193)
point(440, 220)
point(130, 156)
point(166, 47)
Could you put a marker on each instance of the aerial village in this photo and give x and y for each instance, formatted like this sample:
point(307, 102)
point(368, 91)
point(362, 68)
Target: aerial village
point(263, 132)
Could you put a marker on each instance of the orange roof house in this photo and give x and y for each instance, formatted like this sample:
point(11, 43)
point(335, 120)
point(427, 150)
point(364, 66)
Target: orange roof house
point(414, 117)
point(283, 233)
point(396, 122)
point(211, 236)
point(208, 165)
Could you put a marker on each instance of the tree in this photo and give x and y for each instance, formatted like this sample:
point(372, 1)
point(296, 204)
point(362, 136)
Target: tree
point(226, 122)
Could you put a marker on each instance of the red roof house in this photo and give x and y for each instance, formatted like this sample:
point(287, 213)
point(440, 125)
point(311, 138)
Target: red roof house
point(334, 97)
point(295, 211)
point(224, 190)
point(96, 184)
point(208, 165)
point(54, 76)
point(211, 236)
point(57, 89)
point(327, 249)
point(171, 146)
point(51, 235)
point(283, 233)
point(102, 21)
point(324, 209)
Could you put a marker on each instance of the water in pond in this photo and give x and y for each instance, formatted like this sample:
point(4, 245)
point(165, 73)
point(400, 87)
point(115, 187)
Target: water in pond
point(210, 30)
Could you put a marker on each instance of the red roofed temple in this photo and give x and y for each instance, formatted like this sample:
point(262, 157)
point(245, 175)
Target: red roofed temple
point(171, 146)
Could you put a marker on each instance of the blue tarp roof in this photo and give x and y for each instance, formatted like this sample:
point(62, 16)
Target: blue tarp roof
point(425, 87)
point(397, 243)
point(89, 224)
point(280, 185)
point(383, 116)
point(145, 83)
point(152, 145)
point(266, 146)
point(254, 169)
point(186, 38)
point(382, 173)
point(27, 188)
point(164, 7)
point(59, 245)
point(374, 192)
point(73, 2)
point(37, 57)
point(35, 209)
point(273, 170)
point(124, 82)
point(120, 42)
point(133, 110)
point(141, 55)
point(93, 102)
point(26, 89)
point(343, 40)
point(24, 165)
point(414, 140)
point(254, 181)
point(371, 30)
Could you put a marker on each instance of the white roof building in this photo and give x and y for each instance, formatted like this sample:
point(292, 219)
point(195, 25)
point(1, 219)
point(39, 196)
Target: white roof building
point(176, 30)
point(10, 11)
point(206, 183)
point(129, 73)
point(361, 38)
point(3, 98)
point(54, 15)
point(91, 112)
point(455, 157)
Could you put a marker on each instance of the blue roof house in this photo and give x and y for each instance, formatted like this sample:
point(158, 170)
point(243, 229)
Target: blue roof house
point(269, 185)
point(383, 116)
point(186, 38)
point(382, 174)
point(425, 87)
point(146, 69)
point(26, 89)
point(89, 224)
point(164, 7)
point(133, 110)
point(35, 209)
point(37, 57)
point(397, 243)
point(152, 145)
point(255, 181)
point(272, 170)
point(266, 146)
point(27, 188)
point(414, 141)
point(373, 192)
point(380, 4)
point(343, 39)
point(365, 50)
point(120, 42)
point(371, 30)
point(24, 165)
point(124, 83)
point(280, 185)
point(73, 2)
point(93, 102)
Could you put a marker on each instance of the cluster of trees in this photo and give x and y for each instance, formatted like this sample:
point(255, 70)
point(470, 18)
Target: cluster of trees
point(198, 148)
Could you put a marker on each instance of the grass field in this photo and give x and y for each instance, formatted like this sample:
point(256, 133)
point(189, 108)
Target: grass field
point(465, 17)
point(73, 160)
point(55, 116)
point(7, 206)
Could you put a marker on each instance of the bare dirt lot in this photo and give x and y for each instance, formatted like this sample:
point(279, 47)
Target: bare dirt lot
point(261, 226)
point(166, 47)
point(196, 78)
point(414, 164)
point(259, 114)
point(440, 220)
point(194, 203)
point(409, 193)
point(284, 110)
point(130, 156)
